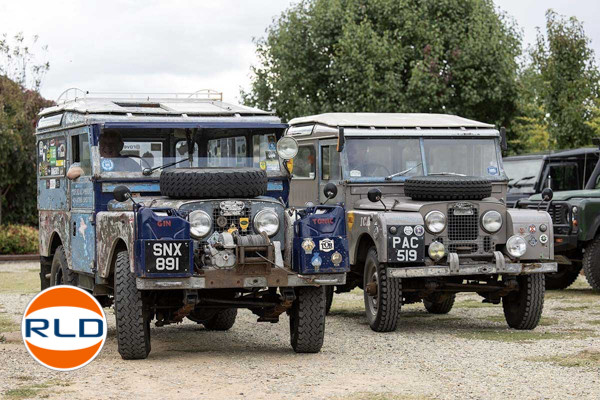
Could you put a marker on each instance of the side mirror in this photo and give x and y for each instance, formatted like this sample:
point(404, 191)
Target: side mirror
point(374, 195)
point(121, 193)
point(503, 141)
point(341, 139)
point(330, 190)
point(547, 194)
point(596, 141)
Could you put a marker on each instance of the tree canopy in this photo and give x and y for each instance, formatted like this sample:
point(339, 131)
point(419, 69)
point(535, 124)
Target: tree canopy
point(447, 56)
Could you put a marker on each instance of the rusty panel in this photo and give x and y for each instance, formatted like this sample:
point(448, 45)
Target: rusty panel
point(110, 227)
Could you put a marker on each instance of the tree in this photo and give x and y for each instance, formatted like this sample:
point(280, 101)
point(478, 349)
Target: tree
point(19, 107)
point(447, 56)
point(569, 80)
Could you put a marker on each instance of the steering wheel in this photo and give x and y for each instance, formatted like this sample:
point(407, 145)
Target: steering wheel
point(142, 160)
point(372, 168)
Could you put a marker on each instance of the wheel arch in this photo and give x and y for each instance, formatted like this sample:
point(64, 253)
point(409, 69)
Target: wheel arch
point(363, 244)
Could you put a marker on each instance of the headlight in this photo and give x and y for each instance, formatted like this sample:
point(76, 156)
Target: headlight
point(436, 251)
point(287, 148)
point(491, 221)
point(200, 224)
point(435, 221)
point(266, 221)
point(516, 246)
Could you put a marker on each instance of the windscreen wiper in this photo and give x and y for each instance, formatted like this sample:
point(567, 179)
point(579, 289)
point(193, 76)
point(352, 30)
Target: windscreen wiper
point(516, 184)
point(387, 178)
point(149, 171)
point(445, 173)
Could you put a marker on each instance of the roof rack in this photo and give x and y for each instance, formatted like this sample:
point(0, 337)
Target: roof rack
point(73, 94)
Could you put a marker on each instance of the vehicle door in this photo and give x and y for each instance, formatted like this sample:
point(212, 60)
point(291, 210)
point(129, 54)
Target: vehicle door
point(330, 170)
point(304, 184)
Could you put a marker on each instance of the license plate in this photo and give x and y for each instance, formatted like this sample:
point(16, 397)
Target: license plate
point(171, 256)
point(406, 246)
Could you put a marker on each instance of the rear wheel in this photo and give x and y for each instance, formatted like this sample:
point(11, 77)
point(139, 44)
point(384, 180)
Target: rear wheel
point(523, 308)
point(439, 304)
point(60, 274)
point(223, 320)
point(591, 263)
point(307, 320)
point(383, 296)
point(133, 319)
point(564, 277)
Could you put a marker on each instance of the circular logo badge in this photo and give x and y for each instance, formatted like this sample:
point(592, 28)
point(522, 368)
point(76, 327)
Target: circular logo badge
point(408, 230)
point(107, 164)
point(544, 239)
point(419, 230)
point(64, 328)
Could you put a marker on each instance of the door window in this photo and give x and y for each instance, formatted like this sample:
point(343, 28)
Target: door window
point(330, 163)
point(80, 148)
point(304, 162)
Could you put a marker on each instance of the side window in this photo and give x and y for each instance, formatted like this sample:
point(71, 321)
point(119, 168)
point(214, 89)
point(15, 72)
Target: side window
point(304, 162)
point(81, 153)
point(330, 163)
point(227, 152)
point(564, 177)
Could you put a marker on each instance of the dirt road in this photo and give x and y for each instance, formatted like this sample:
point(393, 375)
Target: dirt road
point(468, 353)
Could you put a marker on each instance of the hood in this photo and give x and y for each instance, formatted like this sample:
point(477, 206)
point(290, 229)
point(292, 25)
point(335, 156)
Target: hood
point(406, 203)
point(570, 194)
point(166, 202)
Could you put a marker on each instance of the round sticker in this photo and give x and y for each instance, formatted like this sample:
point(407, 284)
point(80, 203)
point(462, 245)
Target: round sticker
point(544, 239)
point(64, 328)
point(408, 230)
point(107, 165)
point(419, 230)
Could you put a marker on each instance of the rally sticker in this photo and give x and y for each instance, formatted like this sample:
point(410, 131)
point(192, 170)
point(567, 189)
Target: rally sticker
point(326, 245)
point(492, 170)
point(107, 165)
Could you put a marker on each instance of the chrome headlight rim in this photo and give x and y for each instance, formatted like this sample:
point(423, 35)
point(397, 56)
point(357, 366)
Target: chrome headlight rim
point(260, 215)
point(485, 224)
point(287, 148)
point(510, 244)
point(206, 228)
point(428, 223)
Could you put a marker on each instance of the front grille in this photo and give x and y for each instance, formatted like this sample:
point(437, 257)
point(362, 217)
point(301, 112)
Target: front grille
point(559, 214)
point(463, 248)
point(463, 227)
point(231, 220)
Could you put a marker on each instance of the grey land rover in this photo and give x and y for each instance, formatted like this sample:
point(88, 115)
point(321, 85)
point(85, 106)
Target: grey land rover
point(425, 201)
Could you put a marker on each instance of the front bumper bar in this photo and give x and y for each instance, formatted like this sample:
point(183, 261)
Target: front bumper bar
point(470, 269)
point(197, 282)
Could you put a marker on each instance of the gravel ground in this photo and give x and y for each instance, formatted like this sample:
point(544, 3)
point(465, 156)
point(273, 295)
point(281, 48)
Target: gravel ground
point(468, 353)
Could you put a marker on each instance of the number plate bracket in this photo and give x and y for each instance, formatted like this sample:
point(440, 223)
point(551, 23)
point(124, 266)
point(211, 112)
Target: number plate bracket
point(406, 246)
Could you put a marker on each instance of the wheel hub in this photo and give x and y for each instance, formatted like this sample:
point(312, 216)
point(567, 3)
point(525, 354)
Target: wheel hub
point(372, 289)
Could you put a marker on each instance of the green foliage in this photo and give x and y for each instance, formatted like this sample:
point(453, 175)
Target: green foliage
point(446, 56)
point(19, 107)
point(568, 78)
point(18, 239)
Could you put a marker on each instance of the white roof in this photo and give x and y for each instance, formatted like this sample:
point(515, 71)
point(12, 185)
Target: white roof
point(390, 120)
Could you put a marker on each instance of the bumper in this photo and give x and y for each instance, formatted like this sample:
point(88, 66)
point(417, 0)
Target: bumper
point(237, 282)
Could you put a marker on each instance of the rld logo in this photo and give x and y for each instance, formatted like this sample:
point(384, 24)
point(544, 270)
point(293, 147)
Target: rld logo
point(64, 328)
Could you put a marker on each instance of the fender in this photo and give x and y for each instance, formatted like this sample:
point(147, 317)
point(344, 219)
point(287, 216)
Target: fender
point(112, 227)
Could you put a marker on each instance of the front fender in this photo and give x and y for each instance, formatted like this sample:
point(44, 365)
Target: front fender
point(112, 227)
point(526, 223)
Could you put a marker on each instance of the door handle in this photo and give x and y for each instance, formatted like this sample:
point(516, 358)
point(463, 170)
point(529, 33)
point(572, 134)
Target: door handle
point(74, 228)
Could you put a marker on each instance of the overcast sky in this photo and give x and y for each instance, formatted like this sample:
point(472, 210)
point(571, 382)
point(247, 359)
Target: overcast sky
point(182, 46)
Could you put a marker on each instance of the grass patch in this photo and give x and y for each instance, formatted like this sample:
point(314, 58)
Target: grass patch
point(571, 308)
point(7, 324)
point(511, 335)
point(20, 282)
point(472, 304)
point(378, 396)
point(545, 321)
point(586, 358)
point(33, 390)
point(593, 322)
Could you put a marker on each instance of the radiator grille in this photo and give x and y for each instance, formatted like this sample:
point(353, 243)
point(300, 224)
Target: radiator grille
point(463, 227)
point(231, 220)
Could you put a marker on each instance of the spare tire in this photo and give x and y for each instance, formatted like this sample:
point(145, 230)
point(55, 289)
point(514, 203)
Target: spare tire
point(210, 183)
point(447, 188)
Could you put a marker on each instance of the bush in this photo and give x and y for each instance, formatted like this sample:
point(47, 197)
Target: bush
point(18, 239)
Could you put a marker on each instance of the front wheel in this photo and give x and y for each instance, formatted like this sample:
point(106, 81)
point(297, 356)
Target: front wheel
point(591, 263)
point(383, 295)
point(307, 320)
point(133, 320)
point(523, 308)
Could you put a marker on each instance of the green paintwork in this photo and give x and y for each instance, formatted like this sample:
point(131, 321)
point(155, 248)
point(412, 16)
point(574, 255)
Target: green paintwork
point(570, 194)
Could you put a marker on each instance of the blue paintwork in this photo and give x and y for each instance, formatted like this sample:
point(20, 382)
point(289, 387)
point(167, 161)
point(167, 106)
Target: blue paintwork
point(82, 193)
point(279, 188)
point(135, 187)
point(102, 195)
point(83, 242)
point(321, 223)
point(150, 227)
point(52, 199)
point(192, 125)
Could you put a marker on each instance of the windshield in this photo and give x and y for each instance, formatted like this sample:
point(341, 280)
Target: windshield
point(122, 152)
point(404, 157)
point(522, 173)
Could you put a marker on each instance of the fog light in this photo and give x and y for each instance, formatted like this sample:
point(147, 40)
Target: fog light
point(336, 258)
point(516, 246)
point(436, 251)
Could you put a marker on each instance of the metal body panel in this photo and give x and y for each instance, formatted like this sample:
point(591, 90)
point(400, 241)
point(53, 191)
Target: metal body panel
point(112, 227)
point(83, 242)
point(54, 223)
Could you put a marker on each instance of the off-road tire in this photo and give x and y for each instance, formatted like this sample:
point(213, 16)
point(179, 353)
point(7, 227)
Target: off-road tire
point(389, 292)
point(307, 320)
point(440, 307)
point(523, 308)
point(223, 320)
point(60, 274)
point(591, 263)
point(329, 298)
point(447, 188)
point(133, 321)
point(563, 278)
point(205, 183)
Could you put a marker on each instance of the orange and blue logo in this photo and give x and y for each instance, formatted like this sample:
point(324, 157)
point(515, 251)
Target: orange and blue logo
point(64, 328)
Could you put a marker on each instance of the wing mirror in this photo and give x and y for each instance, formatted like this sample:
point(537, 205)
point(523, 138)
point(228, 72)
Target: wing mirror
point(122, 193)
point(374, 195)
point(330, 191)
point(341, 139)
point(547, 194)
point(503, 140)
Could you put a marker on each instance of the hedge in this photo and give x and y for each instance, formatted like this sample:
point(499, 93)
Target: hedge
point(18, 239)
